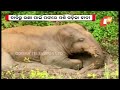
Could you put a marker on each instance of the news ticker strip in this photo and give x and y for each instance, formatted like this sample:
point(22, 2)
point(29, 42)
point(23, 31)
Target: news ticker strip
point(50, 17)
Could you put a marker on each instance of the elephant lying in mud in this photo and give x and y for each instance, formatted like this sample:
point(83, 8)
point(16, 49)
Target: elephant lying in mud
point(68, 46)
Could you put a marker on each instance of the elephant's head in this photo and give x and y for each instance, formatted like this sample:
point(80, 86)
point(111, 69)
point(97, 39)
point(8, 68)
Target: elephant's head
point(76, 39)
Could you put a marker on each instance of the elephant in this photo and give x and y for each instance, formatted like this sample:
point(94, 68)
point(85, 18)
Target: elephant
point(68, 46)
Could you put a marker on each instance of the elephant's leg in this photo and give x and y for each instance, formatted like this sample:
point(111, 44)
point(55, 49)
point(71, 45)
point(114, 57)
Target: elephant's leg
point(61, 61)
point(7, 60)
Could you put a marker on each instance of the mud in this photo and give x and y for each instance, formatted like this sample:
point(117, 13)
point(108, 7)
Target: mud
point(58, 71)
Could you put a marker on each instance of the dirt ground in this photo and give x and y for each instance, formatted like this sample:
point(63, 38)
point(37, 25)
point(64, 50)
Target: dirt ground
point(66, 73)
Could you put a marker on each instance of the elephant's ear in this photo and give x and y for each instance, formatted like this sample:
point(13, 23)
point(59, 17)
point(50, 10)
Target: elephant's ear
point(66, 32)
point(66, 36)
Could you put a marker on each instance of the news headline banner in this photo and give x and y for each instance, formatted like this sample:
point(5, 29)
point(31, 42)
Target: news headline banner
point(50, 17)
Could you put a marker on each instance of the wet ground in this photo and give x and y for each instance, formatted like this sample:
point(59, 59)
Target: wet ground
point(66, 73)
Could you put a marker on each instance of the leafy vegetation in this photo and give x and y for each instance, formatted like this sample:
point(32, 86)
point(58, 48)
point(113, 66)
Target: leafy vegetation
point(106, 36)
point(33, 74)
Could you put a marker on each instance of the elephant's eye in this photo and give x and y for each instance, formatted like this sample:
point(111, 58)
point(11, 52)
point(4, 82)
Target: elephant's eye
point(71, 35)
point(80, 39)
